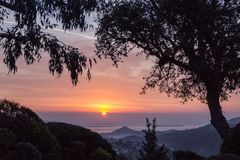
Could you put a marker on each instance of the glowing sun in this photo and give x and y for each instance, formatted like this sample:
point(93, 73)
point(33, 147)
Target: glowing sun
point(104, 114)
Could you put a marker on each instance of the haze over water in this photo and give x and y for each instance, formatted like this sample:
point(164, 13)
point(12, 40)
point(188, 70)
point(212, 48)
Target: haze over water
point(136, 121)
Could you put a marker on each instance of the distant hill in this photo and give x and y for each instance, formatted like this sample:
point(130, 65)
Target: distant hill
point(124, 130)
point(232, 122)
point(203, 140)
point(121, 133)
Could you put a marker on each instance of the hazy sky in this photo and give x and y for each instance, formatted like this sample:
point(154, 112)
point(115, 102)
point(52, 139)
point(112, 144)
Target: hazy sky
point(111, 89)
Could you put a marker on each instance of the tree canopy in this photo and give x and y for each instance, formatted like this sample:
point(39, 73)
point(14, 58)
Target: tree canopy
point(20, 124)
point(149, 146)
point(195, 46)
point(79, 143)
point(24, 136)
point(27, 37)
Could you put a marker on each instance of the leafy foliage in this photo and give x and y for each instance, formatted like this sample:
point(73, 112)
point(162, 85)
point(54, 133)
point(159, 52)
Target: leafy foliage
point(24, 151)
point(195, 47)
point(70, 135)
point(28, 127)
point(27, 37)
point(162, 153)
point(24, 136)
point(74, 151)
point(7, 140)
point(150, 144)
point(150, 150)
point(192, 43)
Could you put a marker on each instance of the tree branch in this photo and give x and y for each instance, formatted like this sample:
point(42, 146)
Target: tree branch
point(7, 5)
point(154, 4)
point(5, 35)
point(181, 64)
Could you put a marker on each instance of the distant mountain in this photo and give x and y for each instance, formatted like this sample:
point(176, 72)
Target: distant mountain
point(121, 133)
point(203, 140)
point(232, 122)
point(124, 130)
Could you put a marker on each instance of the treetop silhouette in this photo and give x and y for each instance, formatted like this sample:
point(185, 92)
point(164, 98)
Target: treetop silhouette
point(195, 47)
point(27, 37)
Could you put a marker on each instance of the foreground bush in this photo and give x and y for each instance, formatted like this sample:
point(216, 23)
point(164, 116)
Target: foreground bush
point(24, 136)
point(23, 151)
point(78, 142)
point(7, 140)
point(23, 124)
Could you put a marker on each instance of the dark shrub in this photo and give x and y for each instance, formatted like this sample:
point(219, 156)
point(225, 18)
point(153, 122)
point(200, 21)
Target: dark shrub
point(232, 144)
point(24, 151)
point(7, 141)
point(28, 127)
point(74, 151)
point(186, 155)
point(162, 153)
point(70, 135)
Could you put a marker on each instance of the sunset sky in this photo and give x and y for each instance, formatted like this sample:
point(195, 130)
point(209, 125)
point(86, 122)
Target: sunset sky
point(110, 90)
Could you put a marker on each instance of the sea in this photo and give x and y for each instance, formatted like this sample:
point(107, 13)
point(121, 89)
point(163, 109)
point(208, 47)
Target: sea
point(137, 121)
point(111, 128)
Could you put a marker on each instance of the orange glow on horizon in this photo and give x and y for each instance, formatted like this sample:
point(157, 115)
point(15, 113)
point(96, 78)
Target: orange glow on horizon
point(111, 90)
point(104, 114)
point(103, 107)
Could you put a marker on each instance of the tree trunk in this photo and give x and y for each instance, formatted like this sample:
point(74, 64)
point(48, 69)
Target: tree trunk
point(217, 118)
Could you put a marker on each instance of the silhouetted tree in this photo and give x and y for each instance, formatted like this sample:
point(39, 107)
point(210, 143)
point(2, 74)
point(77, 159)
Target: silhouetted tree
point(24, 151)
point(27, 38)
point(23, 135)
point(149, 146)
point(74, 151)
point(7, 141)
point(76, 139)
point(195, 47)
point(162, 153)
point(150, 150)
point(23, 124)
